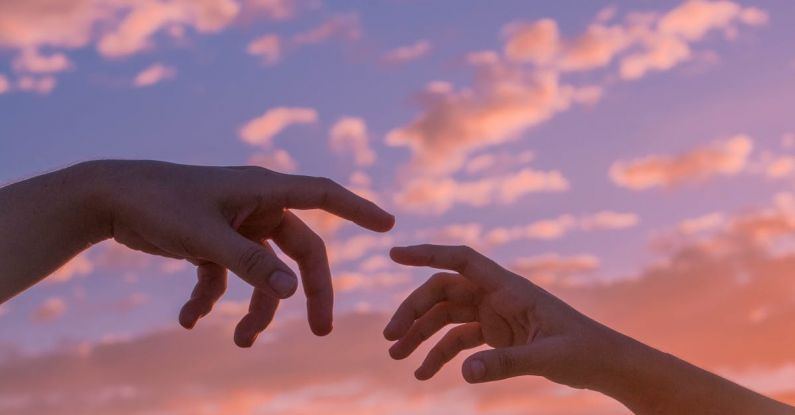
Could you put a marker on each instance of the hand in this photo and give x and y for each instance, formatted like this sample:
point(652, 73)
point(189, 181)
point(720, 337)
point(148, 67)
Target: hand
point(531, 331)
point(222, 218)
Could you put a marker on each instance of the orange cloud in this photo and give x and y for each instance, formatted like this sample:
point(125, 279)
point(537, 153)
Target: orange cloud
point(349, 134)
point(261, 130)
point(504, 102)
point(154, 74)
point(408, 53)
point(722, 157)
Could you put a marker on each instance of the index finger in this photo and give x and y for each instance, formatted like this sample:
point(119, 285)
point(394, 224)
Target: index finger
point(305, 192)
point(462, 259)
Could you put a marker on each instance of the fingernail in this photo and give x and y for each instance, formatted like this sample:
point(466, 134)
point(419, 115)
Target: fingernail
point(283, 283)
point(477, 370)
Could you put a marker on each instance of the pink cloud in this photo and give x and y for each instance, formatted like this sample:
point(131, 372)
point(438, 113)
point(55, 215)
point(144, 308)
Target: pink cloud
point(556, 269)
point(154, 74)
point(40, 85)
point(4, 84)
point(261, 130)
point(135, 31)
point(77, 266)
point(435, 196)
point(349, 134)
point(726, 157)
point(278, 160)
point(30, 60)
point(345, 26)
point(408, 53)
point(504, 102)
point(50, 310)
point(268, 48)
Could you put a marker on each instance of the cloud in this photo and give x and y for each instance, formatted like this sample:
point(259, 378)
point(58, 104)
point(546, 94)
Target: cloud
point(356, 247)
point(491, 162)
point(556, 228)
point(40, 85)
point(279, 160)
point(134, 32)
point(609, 220)
point(154, 74)
point(428, 195)
point(408, 53)
point(354, 281)
point(50, 310)
point(345, 26)
point(277, 9)
point(261, 130)
point(79, 265)
point(536, 42)
point(30, 60)
point(503, 103)
point(703, 223)
point(726, 157)
point(555, 269)
point(652, 41)
point(349, 134)
point(5, 86)
point(268, 48)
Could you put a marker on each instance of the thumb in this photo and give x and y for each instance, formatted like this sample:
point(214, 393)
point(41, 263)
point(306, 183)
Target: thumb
point(503, 363)
point(254, 263)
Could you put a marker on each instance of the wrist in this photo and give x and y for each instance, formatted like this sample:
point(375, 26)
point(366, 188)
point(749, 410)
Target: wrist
point(637, 375)
point(92, 198)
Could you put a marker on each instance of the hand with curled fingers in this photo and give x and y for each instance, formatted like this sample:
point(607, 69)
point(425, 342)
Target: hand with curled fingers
point(531, 332)
point(224, 218)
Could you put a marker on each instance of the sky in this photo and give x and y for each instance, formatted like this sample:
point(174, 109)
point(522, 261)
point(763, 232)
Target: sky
point(634, 158)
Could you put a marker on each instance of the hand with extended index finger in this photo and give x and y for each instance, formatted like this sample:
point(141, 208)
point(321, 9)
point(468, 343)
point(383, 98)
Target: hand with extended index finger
point(225, 218)
point(531, 331)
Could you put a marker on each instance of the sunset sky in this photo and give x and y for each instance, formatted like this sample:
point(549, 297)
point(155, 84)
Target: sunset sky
point(636, 158)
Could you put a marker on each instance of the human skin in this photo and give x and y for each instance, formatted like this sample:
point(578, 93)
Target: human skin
point(218, 218)
point(531, 332)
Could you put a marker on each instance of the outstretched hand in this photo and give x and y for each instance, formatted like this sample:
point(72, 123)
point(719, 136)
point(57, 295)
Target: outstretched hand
point(531, 331)
point(223, 218)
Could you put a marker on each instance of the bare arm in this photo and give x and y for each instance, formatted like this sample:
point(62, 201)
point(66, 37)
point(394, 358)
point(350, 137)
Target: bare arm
point(532, 332)
point(218, 218)
point(45, 221)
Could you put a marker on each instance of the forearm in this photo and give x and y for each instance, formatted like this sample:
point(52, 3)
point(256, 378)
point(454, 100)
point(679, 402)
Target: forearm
point(45, 221)
point(650, 382)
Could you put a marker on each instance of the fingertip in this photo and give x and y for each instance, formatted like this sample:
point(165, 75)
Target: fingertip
point(396, 252)
point(395, 352)
point(187, 318)
point(473, 370)
point(283, 284)
point(421, 374)
point(392, 331)
point(321, 330)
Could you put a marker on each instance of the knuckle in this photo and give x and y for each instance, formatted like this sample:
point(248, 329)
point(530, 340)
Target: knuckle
point(506, 363)
point(253, 259)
